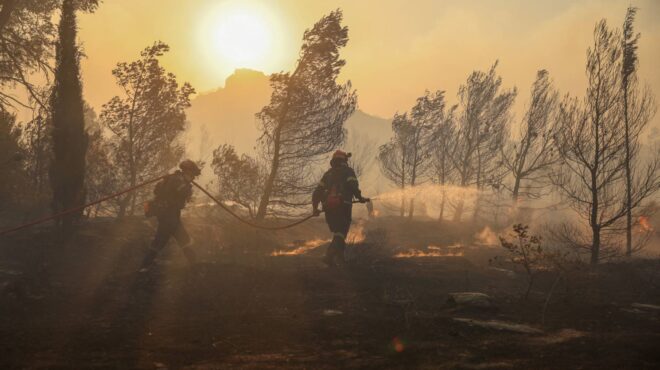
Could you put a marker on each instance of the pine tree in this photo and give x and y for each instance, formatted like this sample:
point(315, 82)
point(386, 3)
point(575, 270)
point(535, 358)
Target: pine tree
point(305, 118)
point(67, 172)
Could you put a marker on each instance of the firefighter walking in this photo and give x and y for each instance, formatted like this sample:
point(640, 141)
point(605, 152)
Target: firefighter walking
point(171, 195)
point(336, 191)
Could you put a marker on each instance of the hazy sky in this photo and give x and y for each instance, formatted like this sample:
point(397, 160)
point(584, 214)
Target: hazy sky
point(397, 48)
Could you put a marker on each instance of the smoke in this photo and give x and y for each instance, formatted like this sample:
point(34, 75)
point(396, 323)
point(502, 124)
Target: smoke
point(428, 196)
point(486, 237)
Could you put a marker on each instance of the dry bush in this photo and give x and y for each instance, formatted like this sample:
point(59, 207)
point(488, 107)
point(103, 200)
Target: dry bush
point(527, 254)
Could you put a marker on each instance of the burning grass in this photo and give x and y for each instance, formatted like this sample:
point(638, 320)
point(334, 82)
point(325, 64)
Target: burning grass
point(301, 249)
point(645, 224)
point(433, 251)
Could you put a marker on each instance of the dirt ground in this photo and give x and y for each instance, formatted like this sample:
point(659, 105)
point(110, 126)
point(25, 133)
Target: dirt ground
point(247, 304)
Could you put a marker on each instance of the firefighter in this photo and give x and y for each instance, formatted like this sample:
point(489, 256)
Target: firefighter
point(171, 195)
point(336, 191)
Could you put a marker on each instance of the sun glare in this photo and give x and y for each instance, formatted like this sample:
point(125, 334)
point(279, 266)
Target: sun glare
point(242, 38)
point(240, 35)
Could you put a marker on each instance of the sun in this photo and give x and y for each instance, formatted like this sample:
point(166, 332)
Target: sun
point(241, 35)
point(242, 38)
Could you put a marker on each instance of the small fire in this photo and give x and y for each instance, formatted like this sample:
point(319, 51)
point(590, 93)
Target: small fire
point(645, 224)
point(398, 345)
point(375, 213)
point(486, 237)
point(433, 251)
point(356, 235)
point(306, 247)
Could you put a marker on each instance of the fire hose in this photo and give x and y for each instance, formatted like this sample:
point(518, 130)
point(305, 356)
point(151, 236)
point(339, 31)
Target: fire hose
point(133, 188)
point(252, 223)
point(79, 208)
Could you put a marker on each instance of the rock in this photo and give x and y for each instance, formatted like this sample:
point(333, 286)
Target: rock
point(470, 299)
point(332, 313)
point(501, 325)
point(507, 273)
point(645, 306)
point(562, 336)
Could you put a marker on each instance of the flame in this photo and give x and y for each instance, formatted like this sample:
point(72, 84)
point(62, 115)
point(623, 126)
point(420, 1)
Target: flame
point(356, 235)
point(645, 224)
point(433, 251)
point(375, 213)
point(398, 345)
point(306, 247)
point(486, 237)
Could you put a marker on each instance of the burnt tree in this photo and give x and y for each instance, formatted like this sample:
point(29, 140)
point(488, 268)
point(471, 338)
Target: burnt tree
point(305, 117)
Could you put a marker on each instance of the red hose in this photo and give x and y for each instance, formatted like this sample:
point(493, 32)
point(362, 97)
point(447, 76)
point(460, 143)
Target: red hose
point(78, 208)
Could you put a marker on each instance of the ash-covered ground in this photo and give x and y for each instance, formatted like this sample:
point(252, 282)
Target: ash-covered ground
point(263, 300)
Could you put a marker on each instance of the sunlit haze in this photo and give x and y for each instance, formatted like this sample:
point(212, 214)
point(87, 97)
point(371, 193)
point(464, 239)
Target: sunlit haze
point(239, 35)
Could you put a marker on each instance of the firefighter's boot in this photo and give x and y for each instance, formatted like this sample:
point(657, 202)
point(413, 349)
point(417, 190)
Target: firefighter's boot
point(331, 253)
point(341, 248)
point(149, 259)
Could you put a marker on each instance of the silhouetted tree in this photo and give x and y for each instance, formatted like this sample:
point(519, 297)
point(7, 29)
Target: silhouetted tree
point(27, 34)
point(36, 141)
point(482, 127)
point(591, 141)
point(146, 122)
point(425, 116)
point(305, 117)
point(530, 157)
point(240, 179)
point(638, 109)
point(442, 142)
point(67, 171)
point(100, 179)
point(14, 184)
point(394, 157)
point(407, 160)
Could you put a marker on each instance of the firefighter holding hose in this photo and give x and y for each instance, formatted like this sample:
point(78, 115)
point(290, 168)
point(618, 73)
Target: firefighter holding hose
point(171, 195)
point(336, 191)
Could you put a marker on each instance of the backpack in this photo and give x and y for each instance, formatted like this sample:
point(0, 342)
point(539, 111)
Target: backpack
point(155, 206)
point(334, 198)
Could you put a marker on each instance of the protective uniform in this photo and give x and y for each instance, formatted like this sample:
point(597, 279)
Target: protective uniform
point(171, 195)
point(335, 191)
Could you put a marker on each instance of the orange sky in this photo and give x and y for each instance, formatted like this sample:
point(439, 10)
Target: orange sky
point(397, 48)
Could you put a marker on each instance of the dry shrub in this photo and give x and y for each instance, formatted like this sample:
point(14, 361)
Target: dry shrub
point(527, 254)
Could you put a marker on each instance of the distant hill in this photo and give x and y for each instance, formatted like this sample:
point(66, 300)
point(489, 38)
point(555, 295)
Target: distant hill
point(226, 115)
point(377, 128)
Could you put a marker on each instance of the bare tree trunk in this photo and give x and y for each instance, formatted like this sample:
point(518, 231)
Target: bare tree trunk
point(628, 175)
point(595, 227)
point(458, 212)
point(274, 166)
point(516, 189)
point(402, 211)
point(441, 217)
point(595, 247)
point(477, 203)
point(123, 205)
